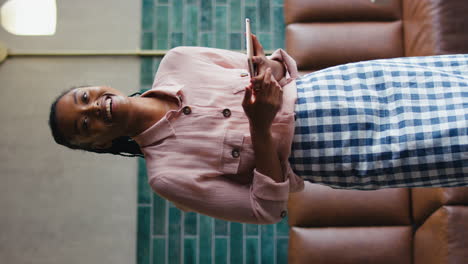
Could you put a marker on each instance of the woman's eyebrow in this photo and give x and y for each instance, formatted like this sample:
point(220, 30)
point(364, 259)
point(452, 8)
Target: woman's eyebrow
point(74, 97)
point(77, 131)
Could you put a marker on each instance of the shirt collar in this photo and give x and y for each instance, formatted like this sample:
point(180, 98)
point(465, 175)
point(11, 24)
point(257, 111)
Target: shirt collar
point(163, 128)
point(170, 90)
point(157, 132)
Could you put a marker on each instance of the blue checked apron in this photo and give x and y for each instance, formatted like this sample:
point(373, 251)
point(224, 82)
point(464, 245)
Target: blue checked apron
point(384, 123)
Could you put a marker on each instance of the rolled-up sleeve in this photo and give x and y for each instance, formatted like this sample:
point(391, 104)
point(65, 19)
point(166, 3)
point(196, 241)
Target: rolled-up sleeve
point(289, 64)
point(262, 202)
point(265, 189)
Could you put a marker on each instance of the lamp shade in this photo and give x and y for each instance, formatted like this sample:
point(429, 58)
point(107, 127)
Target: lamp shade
point(29, 17)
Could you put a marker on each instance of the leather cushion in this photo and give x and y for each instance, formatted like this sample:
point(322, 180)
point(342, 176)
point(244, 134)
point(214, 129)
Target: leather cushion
point(443, 238)
point(320, 205)
point(319, 45)
point(435, 27)
point(296, 11)
point(350, 245)
point(427, 200)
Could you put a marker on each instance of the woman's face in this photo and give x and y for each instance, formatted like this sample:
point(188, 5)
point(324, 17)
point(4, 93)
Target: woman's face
point(93, 116)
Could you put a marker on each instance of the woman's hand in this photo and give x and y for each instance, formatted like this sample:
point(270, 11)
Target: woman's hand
point(262, 63)
point(262, 101)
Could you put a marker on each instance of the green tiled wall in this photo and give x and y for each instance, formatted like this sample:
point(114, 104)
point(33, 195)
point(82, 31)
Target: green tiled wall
point(213, 23)
point(166, 234)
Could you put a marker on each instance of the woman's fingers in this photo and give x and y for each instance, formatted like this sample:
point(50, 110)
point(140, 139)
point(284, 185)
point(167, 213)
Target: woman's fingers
point(258, 48)
point(262, 81)
point(266, 79)
point(257, 80)
point(247, 97)
point(260, 63)
point(264, 87)
point(259, 58)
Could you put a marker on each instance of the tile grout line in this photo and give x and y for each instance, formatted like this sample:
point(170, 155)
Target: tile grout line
point(259, 247)
point(274, 244)
point(151, 227)
point(184, 35)
point(182, 237)
point(243, 243)
point(260, 243)
point(242, 38)
point(169, 28)
point(199, 16)
point(229, 24)
point(213, 241)
point(228, 249)
point(166, 231)
point(198, 240)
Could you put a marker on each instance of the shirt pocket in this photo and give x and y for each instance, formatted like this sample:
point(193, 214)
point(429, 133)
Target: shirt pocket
point(241, 80)
point(232, 151)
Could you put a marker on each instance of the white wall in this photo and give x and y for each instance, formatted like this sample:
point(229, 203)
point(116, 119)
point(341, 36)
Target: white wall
point(58, 205)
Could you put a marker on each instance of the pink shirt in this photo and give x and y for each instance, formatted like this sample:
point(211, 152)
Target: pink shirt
point(201, 157)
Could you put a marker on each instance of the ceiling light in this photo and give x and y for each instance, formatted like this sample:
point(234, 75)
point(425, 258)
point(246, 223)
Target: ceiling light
point(29, 17)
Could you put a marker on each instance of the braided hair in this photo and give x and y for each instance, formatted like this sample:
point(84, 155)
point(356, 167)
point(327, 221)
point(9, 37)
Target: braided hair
point(122, 146)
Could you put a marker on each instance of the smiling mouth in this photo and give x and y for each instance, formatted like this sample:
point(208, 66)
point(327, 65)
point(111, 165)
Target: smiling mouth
point(108, 115)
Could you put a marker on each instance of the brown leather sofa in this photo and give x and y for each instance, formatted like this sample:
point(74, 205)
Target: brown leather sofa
point(419, 225)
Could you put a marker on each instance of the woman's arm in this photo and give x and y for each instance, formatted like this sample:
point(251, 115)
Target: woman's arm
point(262, 202)
point(262, 100)
point(283, 67)
point(266, 156)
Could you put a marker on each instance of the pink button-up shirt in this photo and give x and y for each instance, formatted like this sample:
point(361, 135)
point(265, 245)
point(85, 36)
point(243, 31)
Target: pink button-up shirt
point(200, 157)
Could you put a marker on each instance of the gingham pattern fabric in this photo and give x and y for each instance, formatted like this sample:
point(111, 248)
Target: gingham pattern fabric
point(384, 123)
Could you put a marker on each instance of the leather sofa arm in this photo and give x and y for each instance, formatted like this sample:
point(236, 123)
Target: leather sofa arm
point(434, 27)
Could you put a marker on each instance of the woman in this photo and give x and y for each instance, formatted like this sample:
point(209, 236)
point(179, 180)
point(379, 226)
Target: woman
point(219, 143)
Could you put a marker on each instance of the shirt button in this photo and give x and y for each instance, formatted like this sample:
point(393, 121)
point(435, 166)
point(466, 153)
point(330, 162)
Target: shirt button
point(244, 74)
point(235, 153)
point(226, 112)
point(187, 110)
point(284, 214)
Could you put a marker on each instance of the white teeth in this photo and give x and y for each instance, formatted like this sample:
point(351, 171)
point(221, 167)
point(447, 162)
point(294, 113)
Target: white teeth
point(108, 108)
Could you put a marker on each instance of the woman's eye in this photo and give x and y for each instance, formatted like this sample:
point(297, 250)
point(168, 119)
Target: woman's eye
point(85, 97)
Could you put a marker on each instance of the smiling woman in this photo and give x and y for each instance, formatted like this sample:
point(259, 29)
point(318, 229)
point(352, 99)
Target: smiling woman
point(82, 116)
point(100, 119)
point(232, 147)
point(204, 110)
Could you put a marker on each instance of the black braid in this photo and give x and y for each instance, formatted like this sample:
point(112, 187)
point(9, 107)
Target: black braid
point(122, 146)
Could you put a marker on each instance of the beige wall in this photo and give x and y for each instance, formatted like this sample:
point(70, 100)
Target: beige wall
point(87, 25)
point(58, 205)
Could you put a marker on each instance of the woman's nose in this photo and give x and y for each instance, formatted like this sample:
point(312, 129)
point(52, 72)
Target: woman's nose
point(94, 109)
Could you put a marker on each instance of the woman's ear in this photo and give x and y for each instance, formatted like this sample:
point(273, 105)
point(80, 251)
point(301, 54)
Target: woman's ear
point(104, 145)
